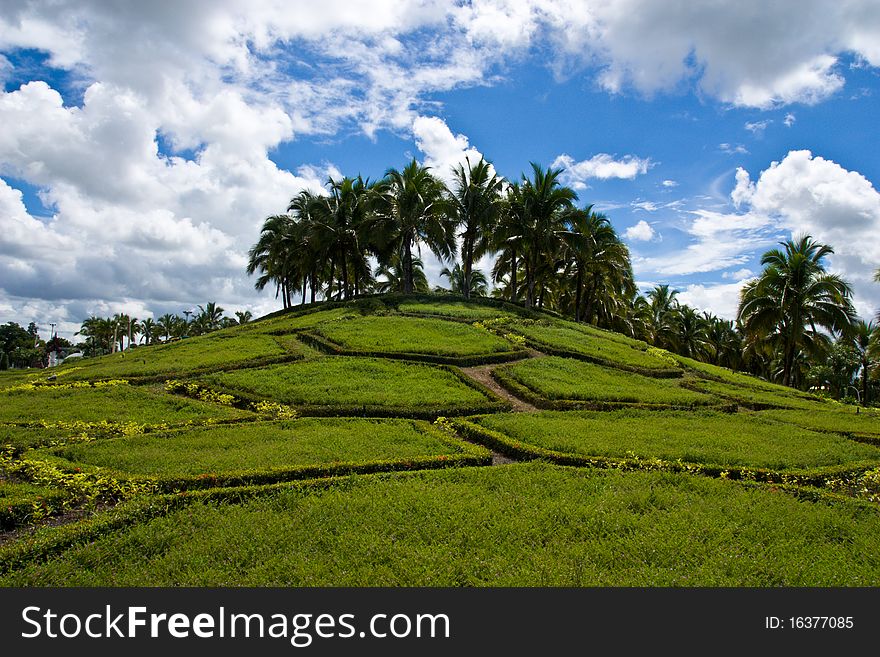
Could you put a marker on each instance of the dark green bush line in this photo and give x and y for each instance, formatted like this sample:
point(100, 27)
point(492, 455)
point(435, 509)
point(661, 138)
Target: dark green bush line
point(660, 373)
point(517, 389)
point(500, 442)
point(323, 344)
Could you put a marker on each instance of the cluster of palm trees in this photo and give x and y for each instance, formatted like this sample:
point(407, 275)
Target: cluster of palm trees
point(362, 237)
point(111, 334)
point(550, 253)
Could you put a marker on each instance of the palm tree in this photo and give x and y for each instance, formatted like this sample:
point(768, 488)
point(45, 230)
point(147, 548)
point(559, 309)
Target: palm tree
point(210, 317)
point(690, 340)
point(411, 208)
point(866, 341)
point(664, 315)
point(165, 325)
point(597, 264)
point(792, 297)
point(723, 342)
point(148, 329)
point(243, 317)
point(393, 273)
point(479, 286)
point(476, 207)
point(542, 203)
point(271, 256)
point(339, 224)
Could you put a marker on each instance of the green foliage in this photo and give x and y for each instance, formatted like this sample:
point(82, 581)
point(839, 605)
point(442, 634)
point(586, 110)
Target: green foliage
point(411, 335)
point(703, 437)
point(4, 361)
point(837, 419)
point(575, 343)
point(127, 404)
point(357, 386)
point(555, 378)
point(287, 449)
point(475, 527)
point(755, 398)
point(220, 350)
point(22, 502)
point(455, 309)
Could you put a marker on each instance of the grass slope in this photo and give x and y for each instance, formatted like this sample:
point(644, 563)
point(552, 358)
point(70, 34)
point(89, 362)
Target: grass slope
point(261, 446)
point(521, 525)
point(355, 384)
point(708, 437)
point(555, 378)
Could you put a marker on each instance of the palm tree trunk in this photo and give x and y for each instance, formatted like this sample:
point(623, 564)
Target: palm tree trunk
point(864, 383)
point(344, 291)
point(407, 266)
point(578, 295)
point(329, 294)
point(530, 283)
point(313, 282)
point(468, 264)
point(513, 276)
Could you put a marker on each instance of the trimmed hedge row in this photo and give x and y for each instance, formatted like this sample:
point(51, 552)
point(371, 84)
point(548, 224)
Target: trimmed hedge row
point(500, 442)
point(517, 389)
point(20, 513)
point(323, 344)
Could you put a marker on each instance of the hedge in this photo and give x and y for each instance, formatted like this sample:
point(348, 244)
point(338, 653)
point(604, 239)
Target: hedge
point(817, 477)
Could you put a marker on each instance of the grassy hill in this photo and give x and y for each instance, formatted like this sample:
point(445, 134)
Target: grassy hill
point(428, 441)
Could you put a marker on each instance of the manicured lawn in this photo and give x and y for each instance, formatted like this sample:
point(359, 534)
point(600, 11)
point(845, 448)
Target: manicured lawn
point(457, 309)
point(602, 334)
point(839, 419)
point(576, 342)
point(735, 378)
point(520, 525)
point(12, 378)
point(412, 335)
point(15, 492)
point(570, 379)
point(737, 439)
point(262, 446)
point(777, 396)
point(360, 383)
point(295, 321)
point(120, 403)
point(212, 351)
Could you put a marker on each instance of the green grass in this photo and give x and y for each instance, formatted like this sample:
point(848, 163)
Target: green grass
point(577, 343)
point(456, 309)
point(838, 419)
point(16, 492)
point(12, 378)
point(734, 378)
point(782, 397)
point(295, 321)
point(369, 383)
point(556, 378)
point(121, 403)
point(201, 353)
point(521, 525)
point(261, 446)
point(412, 335)
point(602, 334)
point(705, 437)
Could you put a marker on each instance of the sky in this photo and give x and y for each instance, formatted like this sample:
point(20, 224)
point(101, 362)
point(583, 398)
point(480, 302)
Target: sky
point(143, 143)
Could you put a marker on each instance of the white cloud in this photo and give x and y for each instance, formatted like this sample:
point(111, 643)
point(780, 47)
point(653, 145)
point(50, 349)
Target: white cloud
point(641, 232)
point(602, 166)
point(789, 119)
point(669, 183)
point(720, 299)
point(732, 149)
point(802, 194)
point(757, 128)
point(739, 274)
point(442, 149)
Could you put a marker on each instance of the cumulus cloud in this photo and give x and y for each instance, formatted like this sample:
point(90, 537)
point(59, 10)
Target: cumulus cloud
point(443, 150)
point(789, 119)
point(757, 128)
point(641, 232)
point(801, 194)
point(721, 299)
point(602, 167)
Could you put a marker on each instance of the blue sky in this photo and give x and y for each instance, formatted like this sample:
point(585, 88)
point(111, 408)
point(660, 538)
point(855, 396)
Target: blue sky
point(143, 146)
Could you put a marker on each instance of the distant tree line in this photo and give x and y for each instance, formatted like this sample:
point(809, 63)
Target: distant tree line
point(796, 324)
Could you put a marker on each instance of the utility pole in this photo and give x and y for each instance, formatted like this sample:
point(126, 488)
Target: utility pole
point(187, 313)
